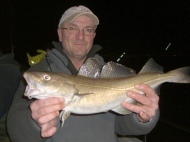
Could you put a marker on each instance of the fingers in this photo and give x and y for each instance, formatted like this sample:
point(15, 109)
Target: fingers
point(46, 106)
point(144, 114)
point(142, 99)
point(148, 91)
point(45, 113)
point(138, 109)
point(149, 100)
point(147, 103)
point(48, 132)
point(47, 117)
point(48, 129)
point(45, 102)
point(143, 117)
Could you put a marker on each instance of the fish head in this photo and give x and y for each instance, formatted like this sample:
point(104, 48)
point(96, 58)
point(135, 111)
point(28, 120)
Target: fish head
point(41, 85)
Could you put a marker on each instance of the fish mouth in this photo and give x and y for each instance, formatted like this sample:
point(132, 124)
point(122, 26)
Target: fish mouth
point(32, 87)
point(31, 92)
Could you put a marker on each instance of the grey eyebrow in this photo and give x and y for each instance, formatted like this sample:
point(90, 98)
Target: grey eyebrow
point(72, 24)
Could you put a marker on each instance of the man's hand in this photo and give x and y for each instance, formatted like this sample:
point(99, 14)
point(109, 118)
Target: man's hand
point(45, 113)
point(147, 103)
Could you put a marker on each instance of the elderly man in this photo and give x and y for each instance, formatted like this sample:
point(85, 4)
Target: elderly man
point(36, 120)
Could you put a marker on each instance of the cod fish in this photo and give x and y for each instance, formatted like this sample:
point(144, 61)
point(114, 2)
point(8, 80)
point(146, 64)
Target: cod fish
point(96, 89)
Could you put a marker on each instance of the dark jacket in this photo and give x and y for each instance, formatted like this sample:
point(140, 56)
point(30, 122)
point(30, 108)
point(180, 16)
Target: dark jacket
point(9, 81)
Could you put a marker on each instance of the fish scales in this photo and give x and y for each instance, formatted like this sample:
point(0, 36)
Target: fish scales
point(88, 95)
point(105, 95)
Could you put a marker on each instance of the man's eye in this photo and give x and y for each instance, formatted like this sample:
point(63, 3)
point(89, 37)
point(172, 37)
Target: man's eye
point(89, 30)
point(72, 28)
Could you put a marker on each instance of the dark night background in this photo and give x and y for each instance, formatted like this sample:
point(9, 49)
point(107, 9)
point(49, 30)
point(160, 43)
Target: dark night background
point(142, 29)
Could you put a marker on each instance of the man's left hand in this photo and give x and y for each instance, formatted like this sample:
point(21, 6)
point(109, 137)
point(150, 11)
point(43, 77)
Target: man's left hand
point(147, 103)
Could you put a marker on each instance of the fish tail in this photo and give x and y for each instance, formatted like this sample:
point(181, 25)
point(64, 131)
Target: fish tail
point(183, 75)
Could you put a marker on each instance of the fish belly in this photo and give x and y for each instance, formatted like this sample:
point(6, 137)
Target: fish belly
point(96, 103)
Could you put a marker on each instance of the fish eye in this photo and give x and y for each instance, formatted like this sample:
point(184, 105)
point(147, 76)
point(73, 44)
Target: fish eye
point(46, 77)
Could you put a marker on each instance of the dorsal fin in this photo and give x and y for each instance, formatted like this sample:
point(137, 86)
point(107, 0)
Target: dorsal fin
point(115, 70)
point(151, 66)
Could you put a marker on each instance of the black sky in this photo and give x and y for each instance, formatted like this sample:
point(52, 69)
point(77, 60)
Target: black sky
point(134, 27)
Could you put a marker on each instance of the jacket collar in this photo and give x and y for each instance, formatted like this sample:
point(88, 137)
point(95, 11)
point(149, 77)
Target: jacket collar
point(58, 46)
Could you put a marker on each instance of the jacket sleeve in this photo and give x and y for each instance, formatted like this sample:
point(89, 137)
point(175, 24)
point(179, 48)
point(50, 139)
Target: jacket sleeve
point(9, 80)
point(129, 124)
point(21, 127)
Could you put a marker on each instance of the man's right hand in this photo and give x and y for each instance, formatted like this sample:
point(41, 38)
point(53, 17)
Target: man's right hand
point(45, 112)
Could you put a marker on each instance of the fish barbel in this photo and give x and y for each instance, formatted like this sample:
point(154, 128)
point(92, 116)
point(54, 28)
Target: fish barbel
point(88, 94)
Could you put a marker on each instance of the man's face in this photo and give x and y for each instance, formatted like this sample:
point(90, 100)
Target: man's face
point(77, 46)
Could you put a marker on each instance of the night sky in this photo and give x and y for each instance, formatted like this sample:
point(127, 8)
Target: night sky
point(134, 27)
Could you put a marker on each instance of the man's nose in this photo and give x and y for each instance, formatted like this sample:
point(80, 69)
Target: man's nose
point(81, 34)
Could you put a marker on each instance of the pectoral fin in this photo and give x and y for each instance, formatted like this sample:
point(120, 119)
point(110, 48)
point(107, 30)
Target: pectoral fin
point(63, 116)
point(119, 109)
point(77, 97)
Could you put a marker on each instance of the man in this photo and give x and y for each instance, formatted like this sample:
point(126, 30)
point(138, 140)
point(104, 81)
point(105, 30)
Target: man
point(37, 120)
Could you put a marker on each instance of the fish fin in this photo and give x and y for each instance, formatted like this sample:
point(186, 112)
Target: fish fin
point(91, 68)
point(63, 116)
point(151, 66)
point(119, 109)
point(157, 89)
point(77, 97)
point(115, 70)
point(183, 75)
point(84, 94)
